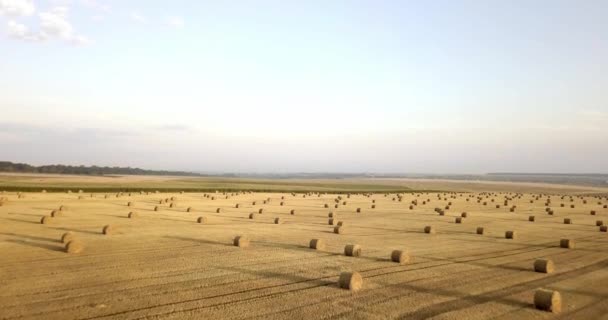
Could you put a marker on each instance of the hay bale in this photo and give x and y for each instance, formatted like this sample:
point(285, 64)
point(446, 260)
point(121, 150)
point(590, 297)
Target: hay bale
point(352, 250)
point(603, 228)
point(277, 220)
point(67, 237)
point(172, 205)
point(531, 218)
point(130, 204)
point(340, 223)
point(599, 223)
point(156, 208)
point(317, 244)
point(330, 221)
point(282, 203)
point(548, 300)
point(464, 214)
point(74, 246)
point(133, 215)
point(240, 241)
point(458, 220)
point(400, 256)
point(510, 235)
point(429, 229)
point(56, 213)
point(480, 230)
point(261, 211)
point(219, 210)
point(351, 281)
point(252, 215)
point(201, 219)
point(108, 230)
point(292, 212)
point(592, 212)
point(46, 220)
point(189, 209)
point(339, 229)
point(358, 210)
point(567, 221)
point(236, 205)
point(544, 266)
point(331, 215)
point(63, 208)
point(566, 243)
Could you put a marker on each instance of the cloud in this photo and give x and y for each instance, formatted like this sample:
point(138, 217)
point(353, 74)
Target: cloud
point(55, 23)
point(15, 8)
point(96, 5)
point(138, 18)
point(175, 22)
point(16, 30)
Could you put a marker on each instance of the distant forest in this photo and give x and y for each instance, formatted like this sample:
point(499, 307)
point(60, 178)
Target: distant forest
point(6, 166)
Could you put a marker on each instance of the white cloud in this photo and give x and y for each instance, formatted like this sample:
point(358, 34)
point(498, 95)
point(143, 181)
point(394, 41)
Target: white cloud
point(175, 22)
point(17, 8)
point(55, 23)
point(16, 30)
point(96, 5)
point(138, 18)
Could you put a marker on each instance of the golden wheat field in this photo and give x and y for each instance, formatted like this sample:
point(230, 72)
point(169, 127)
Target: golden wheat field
point(163, 262)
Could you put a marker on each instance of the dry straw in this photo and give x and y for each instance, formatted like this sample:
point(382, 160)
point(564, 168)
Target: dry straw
point(67, 237)
point(201, 219)
point(107, 230)
point(74, 246)
point(351, 281)
point(566, 243)
point(352, 250)
point(400, 256)
point(317, 244)
point(133, 215)
point(46, 220)
point(339, 229)
point(240, 241)
point(548, 300)
point(544, 266)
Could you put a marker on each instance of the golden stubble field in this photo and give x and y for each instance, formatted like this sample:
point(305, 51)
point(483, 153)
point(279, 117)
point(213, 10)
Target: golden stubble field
point(163, 264)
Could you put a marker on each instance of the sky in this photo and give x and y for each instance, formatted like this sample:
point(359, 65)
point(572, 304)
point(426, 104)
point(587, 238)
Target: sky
point(306, 86)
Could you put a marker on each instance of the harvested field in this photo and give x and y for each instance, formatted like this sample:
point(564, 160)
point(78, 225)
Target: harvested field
point(165, 265)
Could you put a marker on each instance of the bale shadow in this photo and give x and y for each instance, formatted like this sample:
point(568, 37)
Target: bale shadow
point(76, 230)
point(203, 241)
point(24, 221)
point(30, 237)
point(36, 245)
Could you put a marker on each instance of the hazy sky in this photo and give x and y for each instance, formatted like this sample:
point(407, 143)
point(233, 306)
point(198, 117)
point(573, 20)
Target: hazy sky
point(276, 86)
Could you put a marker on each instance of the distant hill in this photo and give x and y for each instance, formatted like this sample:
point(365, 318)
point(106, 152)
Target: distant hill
point(7, 166)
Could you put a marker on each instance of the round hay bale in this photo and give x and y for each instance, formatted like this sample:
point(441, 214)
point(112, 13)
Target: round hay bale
point(340, 223)
point(201, 219)
point(172, 205)
point(567, 221)
point(56, 213)
point(358, 210)
point(411, 207)
point(464, 214)
point(550, 212)
point(241, 241)
point(336, 206)
point(219, 210)
point(331, 215)
point(373, 206)
point(572, 206)
point(277, 220)
point(156, 208)
point(339, 229)
point(566, 243)
point(510, 235)
point(67, 237)
point(544, 266)
point(236, 205)
point(107, 230)
point(429, 229)
point(292, 212)
point(592, 212)
point(352, 250)
point(351, 281)
point(531, 218)
point(548, 300)
point(330, 221)
point(252, 215)
point(74, 246)
point(480, 230)
point(46, 220)
point(261, 211)
point(599, 223)
point(317, 244)
point(189, 209)
point(133, 215)
point(326, 205)
point(603, 228)
point(400, 256)
point(63, 208)
point(129, 204)
point(458, 220)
